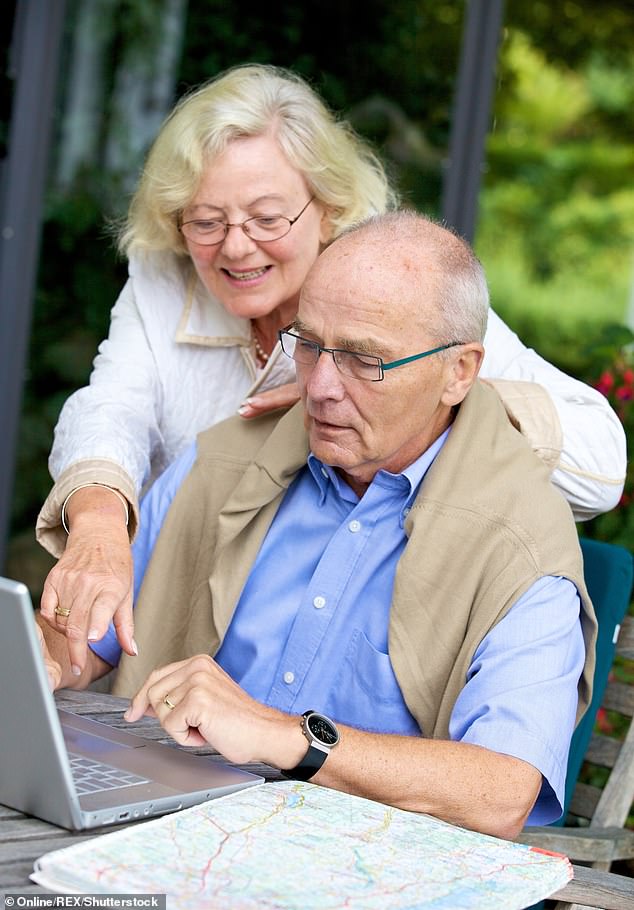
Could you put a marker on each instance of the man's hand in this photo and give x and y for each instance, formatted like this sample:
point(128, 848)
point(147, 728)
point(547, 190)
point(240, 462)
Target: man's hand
point(285, 396)
point(209, 707)
point(92, 582)
point(53, 668)
point(198, 703)
point(56, 660)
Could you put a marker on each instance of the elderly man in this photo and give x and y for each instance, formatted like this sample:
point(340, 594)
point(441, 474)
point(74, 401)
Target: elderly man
point(379, 591)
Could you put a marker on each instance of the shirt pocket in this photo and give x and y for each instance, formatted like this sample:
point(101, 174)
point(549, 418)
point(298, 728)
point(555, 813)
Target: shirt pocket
point(366, 694)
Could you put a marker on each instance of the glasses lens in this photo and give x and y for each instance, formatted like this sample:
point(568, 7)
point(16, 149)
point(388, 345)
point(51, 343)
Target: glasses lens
point(359, 366)
point(299, 349)
point(269, 228)
point(205, 232)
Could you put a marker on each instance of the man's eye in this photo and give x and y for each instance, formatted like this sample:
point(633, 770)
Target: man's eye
point(363, 360)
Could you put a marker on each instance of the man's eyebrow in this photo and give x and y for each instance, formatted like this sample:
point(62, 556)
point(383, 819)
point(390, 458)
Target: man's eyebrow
point(370, 346)
point(362, 346)
point(298, 326)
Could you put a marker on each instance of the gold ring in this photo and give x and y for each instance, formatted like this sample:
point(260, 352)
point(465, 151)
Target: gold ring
point(166, 701)
point(62, 611)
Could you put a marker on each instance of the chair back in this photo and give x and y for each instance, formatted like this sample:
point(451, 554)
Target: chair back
point(608, 571)
point(596, 812)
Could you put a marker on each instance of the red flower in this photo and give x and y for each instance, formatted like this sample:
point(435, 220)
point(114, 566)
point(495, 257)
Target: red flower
point(605, 383)
point(603, 722)
point(624, 393)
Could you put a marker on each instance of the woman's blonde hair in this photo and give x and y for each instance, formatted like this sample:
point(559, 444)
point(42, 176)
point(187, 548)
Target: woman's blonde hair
point(250, 100)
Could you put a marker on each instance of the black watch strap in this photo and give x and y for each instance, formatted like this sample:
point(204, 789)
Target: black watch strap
point(308, 766)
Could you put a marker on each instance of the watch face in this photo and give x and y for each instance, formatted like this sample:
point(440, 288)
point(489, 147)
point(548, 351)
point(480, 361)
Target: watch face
point(322, 729)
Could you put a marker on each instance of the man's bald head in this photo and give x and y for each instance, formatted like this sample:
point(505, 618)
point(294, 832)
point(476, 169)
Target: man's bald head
point(419, 262)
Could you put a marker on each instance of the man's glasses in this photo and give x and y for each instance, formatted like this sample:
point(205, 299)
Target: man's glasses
point(262, 228)
point(350, 363)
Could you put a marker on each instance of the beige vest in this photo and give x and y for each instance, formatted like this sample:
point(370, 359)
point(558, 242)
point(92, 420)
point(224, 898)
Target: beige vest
point(486, 524)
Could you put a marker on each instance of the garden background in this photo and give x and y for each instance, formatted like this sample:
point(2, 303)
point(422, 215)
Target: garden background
point(556, 211)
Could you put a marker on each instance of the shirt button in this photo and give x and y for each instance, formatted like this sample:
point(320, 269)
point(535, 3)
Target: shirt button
point(354, 526)
point(324, 472)
point(406, 511)
point(319, 602)
point(289, 677)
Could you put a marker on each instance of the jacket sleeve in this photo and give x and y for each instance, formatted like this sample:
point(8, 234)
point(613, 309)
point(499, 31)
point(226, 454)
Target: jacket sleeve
point(569, 424)
point(108, 431)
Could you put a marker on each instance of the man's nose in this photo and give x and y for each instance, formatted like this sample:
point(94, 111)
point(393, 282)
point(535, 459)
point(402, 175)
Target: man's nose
point(325, 380)
point(237, 242)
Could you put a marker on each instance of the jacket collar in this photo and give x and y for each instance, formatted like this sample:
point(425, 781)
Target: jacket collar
point(206, 322)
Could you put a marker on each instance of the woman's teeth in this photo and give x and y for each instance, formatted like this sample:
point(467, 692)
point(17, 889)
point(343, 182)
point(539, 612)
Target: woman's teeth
point(247, 276)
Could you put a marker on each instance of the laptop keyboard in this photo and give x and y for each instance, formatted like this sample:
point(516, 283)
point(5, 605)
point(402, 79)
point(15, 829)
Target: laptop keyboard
point(90, 775)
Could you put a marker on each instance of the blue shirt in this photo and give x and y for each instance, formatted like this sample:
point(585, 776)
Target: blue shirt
point(310, 628)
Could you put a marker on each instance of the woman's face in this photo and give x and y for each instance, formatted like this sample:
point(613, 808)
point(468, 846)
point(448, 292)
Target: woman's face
point(252, 177)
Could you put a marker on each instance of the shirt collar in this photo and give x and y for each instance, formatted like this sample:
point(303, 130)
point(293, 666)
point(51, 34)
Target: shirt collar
point(405, 484)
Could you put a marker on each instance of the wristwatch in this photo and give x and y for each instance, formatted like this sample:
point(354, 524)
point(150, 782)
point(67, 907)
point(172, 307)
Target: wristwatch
point(322, 736)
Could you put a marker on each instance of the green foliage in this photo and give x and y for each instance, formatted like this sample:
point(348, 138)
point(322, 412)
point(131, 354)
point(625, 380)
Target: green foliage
point(544, 100)
point(572, 32)
point(558, 203)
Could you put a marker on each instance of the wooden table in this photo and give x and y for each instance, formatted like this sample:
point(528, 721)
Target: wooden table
point(23, 839)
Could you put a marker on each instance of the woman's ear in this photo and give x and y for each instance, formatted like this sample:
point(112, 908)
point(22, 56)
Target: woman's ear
point(462, 371)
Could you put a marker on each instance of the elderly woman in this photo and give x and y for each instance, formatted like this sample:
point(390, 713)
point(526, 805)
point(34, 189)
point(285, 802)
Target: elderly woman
point(249, 178)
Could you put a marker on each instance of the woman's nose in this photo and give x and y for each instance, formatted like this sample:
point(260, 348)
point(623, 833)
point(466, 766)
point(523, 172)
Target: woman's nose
point(237, 242)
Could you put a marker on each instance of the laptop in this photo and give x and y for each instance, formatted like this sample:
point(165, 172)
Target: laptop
point(73, 771)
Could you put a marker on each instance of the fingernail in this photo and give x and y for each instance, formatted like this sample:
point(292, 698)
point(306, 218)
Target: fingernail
point(126, 716)
point(135, 648)
point(75, 670)
point(93, 635)
point(244, 409)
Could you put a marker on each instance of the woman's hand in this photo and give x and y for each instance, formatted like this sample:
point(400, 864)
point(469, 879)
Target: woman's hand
point(285, 396)
point(91, 584)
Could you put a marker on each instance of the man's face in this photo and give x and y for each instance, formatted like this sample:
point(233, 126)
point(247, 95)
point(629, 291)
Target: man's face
point(358, 297)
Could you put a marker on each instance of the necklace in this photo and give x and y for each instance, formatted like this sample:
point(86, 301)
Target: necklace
point(260, 353)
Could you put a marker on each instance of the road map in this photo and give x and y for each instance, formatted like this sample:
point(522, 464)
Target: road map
point(297, 846)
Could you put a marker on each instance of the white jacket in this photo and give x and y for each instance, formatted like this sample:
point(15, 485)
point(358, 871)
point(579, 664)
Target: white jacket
point(175, 362)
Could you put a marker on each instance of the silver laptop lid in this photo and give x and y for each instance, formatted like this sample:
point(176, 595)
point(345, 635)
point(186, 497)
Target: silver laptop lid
point(34, 772)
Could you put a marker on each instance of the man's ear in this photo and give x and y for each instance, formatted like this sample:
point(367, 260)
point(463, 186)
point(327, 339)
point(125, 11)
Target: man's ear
point(326, 229)
point(462, 371)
